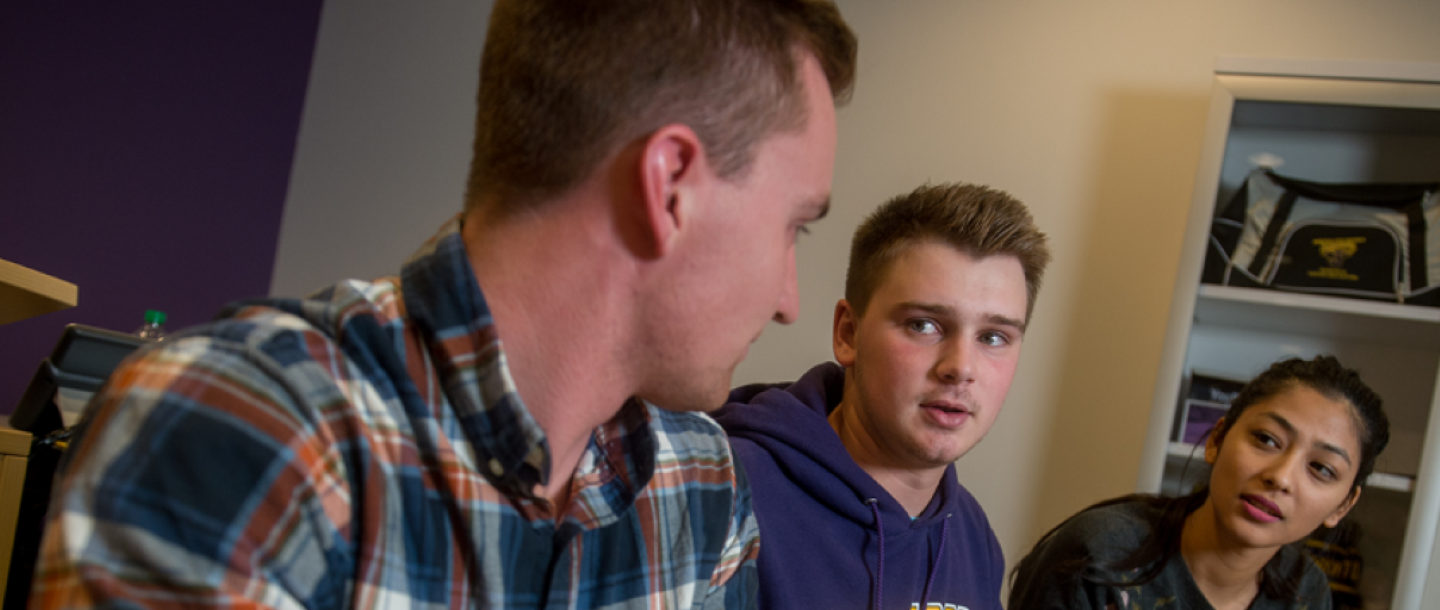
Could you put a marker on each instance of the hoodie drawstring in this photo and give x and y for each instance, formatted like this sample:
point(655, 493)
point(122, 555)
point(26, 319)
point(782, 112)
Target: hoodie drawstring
point(880, 561)
point(935, 565)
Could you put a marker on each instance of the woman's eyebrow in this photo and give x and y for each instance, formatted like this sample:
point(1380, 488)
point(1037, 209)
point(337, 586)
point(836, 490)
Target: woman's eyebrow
point(1322, 445)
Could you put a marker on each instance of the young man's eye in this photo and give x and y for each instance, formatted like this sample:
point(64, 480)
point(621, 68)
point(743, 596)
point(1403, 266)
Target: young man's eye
point(994, 338)
point(923, 326)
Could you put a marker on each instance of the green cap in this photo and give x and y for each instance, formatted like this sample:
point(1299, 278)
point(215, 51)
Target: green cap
point(153, 316)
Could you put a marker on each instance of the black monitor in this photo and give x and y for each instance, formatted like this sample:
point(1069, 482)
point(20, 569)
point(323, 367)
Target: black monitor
point(81, 360)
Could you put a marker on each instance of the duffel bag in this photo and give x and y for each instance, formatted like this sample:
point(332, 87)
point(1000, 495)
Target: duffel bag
point(1365, 240)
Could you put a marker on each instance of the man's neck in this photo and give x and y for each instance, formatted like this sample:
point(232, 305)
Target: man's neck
point(1227, 574)
point(549, 280)
point(912, 487)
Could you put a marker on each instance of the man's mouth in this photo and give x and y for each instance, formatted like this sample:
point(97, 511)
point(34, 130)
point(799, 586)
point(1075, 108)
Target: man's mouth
point(946, 413)
point(946, 406)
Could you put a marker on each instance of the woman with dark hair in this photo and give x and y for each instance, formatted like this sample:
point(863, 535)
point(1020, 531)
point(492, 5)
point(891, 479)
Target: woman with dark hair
point(1290, 455)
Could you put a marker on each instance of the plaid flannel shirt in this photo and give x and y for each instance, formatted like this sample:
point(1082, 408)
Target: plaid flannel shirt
point(351, 451)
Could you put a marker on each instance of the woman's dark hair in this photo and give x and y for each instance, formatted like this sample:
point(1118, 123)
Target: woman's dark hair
point(1325, 375)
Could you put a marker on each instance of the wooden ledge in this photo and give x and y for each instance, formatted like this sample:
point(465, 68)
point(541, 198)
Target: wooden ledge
point(25, 293)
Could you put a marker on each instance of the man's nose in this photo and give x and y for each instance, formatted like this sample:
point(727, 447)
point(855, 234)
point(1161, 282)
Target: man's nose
point(957, 360)
point(787, 309)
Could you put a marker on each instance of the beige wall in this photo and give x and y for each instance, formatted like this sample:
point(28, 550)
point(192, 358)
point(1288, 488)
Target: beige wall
point(1090, 111)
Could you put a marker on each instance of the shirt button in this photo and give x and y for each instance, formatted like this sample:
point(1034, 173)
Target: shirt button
point(495, 467)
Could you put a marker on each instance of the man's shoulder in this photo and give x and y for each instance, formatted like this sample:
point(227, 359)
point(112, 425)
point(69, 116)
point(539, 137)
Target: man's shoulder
point(284, 352)
point(960, 503)
point(325, 312)
point(688, 437)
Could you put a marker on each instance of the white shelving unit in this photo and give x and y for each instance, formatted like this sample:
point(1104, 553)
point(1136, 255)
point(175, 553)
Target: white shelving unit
point(1328, 122)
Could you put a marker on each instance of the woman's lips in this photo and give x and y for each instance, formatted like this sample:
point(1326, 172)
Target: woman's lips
point(1261, 509)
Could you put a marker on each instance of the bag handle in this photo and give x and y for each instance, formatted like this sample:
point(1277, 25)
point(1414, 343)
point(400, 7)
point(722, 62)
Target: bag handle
point(1272, 231)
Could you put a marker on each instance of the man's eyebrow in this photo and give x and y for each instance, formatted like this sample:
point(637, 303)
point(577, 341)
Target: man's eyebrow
point(1007, 321)
point(1324, 446)
point(932, 308)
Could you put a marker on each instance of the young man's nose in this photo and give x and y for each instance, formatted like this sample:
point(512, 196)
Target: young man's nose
point(957, 360)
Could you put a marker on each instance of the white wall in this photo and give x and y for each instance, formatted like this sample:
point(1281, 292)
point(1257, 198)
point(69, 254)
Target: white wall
point(384, 143)
point(1091, 112)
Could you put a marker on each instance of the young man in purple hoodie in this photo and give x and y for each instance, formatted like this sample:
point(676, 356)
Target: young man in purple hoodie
point(852, 465)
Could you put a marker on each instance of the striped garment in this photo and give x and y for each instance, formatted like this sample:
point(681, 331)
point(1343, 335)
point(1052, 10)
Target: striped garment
point(366, 449)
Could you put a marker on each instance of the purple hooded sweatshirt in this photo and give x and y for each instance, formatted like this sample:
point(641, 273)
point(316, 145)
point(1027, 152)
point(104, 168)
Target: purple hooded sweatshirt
point(832, 537)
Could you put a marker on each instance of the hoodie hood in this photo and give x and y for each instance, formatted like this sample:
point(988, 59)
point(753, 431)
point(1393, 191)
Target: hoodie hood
point(789, 421)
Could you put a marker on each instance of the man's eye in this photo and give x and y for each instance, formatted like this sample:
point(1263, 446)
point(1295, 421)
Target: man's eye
point(923, 326)
point(994, 339)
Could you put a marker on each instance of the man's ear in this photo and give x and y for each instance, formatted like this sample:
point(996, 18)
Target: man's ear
point(672, 166)
point(843, 333)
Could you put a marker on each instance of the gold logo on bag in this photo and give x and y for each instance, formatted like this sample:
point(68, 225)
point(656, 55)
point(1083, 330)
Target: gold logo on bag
point(1336, 251)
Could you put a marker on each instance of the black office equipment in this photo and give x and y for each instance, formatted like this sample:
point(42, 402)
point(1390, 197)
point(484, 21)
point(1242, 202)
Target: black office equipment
point(81, 360)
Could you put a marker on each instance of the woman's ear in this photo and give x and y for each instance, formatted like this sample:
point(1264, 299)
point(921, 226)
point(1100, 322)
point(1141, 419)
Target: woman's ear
point(1344, 508)
point(1212, 441)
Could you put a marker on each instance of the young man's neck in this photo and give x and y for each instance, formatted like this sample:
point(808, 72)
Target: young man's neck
point(550, 280)
point(1227, 574)
point(912, 487)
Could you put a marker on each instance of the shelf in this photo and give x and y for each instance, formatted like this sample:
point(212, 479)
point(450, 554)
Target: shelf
point(1330, 121)
point(1181, 450)
point(1378, 480)
point(1290, 312)
point(25, 293)
point(1336, 118)
point(1391, 482)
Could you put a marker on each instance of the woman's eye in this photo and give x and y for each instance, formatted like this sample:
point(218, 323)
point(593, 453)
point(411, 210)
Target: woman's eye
point(1264, 438)
point(1324, 472)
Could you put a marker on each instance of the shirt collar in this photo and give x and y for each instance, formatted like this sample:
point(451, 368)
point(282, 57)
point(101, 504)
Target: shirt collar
point(444, 302)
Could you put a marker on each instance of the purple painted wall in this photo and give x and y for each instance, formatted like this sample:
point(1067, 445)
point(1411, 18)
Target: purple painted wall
point(145, 149)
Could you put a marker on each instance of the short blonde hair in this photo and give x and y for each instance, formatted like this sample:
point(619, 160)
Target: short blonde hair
point(976, 220)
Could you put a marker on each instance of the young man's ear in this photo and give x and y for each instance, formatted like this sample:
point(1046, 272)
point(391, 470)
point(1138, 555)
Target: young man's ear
point(843, 333)
point(672, 168)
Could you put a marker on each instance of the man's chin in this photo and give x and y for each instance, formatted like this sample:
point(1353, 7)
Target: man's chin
point(691, 397)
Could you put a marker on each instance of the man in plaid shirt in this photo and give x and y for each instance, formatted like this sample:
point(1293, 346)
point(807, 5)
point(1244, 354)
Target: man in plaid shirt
point(511, 422)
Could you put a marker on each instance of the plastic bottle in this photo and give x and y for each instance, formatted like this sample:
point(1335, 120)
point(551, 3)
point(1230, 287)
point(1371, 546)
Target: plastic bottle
point(154, 328)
